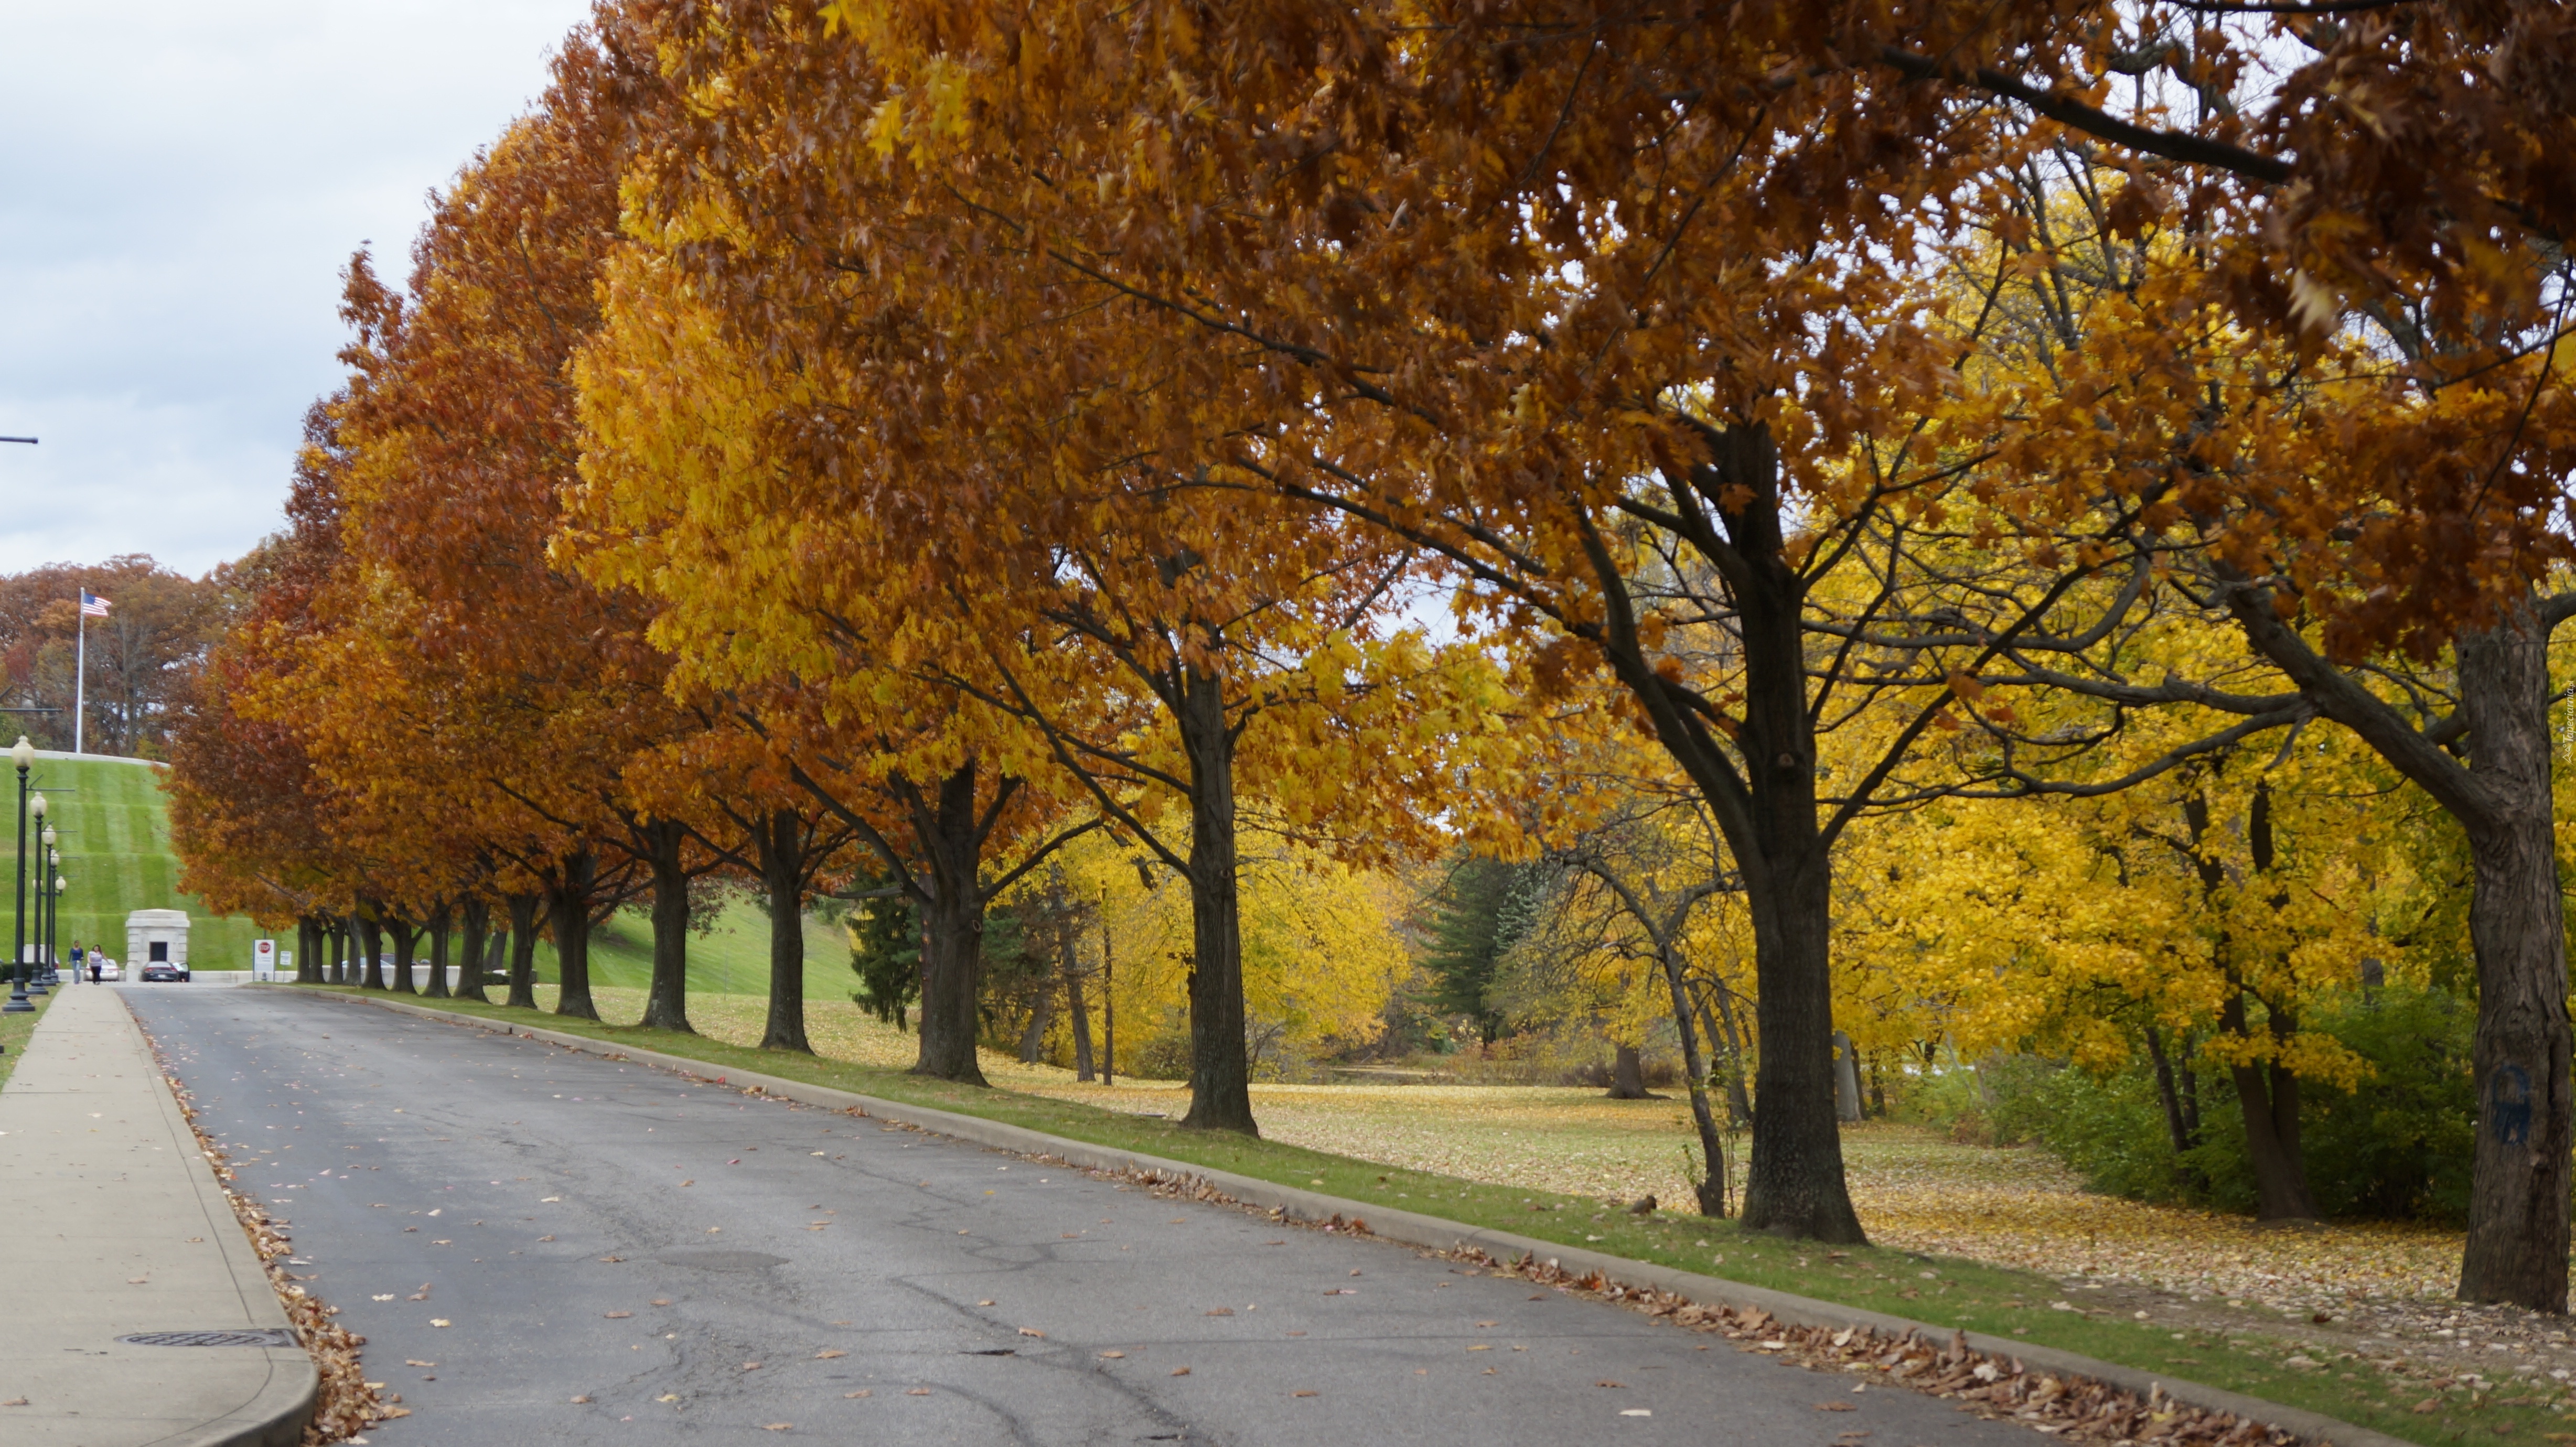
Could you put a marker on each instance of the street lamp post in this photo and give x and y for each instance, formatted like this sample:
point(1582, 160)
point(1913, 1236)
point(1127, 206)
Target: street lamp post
point(49, 858)
point(23, 755)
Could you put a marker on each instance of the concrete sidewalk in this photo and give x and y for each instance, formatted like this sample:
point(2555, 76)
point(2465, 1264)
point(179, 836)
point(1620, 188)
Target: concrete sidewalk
point(115, 1226)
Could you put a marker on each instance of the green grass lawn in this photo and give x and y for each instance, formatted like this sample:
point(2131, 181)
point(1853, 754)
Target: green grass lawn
point(730, 959)
point(115, 843)
point(1945, 1291)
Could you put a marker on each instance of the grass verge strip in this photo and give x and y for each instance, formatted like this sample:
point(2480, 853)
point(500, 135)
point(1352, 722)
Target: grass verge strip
point(14, 1032)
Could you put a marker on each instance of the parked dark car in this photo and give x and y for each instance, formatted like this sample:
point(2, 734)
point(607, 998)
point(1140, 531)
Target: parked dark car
point(161, 971)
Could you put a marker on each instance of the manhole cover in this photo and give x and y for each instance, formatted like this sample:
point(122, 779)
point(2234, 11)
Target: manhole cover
point(713, 1260)
point(261, 1337)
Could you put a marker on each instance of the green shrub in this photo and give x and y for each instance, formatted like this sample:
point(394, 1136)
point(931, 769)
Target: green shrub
point(2397, 1146)
point(2400, 1145)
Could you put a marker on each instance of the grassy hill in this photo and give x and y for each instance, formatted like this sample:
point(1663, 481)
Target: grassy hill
point(115, 829)
point(731, 959)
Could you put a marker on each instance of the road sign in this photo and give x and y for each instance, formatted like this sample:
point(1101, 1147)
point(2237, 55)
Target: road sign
point(263, 960)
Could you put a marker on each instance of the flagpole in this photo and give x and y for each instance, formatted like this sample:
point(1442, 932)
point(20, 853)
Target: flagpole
point(80, 678)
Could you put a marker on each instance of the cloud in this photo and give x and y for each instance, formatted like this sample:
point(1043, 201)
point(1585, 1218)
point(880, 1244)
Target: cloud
point(180, 188)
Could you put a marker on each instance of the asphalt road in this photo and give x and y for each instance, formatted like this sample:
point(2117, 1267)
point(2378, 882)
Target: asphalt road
point(546, 1246)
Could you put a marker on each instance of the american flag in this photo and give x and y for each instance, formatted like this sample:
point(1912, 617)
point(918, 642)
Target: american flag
point(91, 606)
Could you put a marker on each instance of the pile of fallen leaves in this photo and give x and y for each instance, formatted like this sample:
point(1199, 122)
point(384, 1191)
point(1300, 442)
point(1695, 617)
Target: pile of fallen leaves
point(345, 1405)
point(1996, 1387)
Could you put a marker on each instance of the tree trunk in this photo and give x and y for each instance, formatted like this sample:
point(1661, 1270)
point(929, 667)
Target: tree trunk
point(336, 967)
point(1627, 1073)
point(524, 909)
point(439, 920)
point(371, 954)
point(1220, 1071)
point(2269, 1097)
point(1041, 1016)
point(568, 905)
point(1794, 1184)
point(1082, 1068)
point(406, 940)
point(1760, 783)
point(1728, 1041)
point(1711, 1189)
point(952, 956)
point(2182, 1132)
point(666, 1005)
point(2518, 1193)
point(309, 937)
point(781, 842)
point(470, 970)
point(1846, 1078)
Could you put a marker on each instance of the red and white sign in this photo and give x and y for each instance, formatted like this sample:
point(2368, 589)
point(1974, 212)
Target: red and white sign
point(263, 959)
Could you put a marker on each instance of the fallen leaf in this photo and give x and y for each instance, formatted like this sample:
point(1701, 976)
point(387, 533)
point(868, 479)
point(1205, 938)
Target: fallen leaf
point(916, 1391)
point(1482, 1346)
point(828, 1353)
point(861, 1392)
point(388, 1296)
point(1113, 1356)
point(1301, 1394)
point(661, 1301)
point(581, 1401)
point(617, 1315)
point(612, 1258)
point(1222, 1311)
point(438, 1321)
point(1836, 1407)
point(410, 1363)
point(777, 1426)
point(751, 1366)
point(1635, 1412)
point(1621, 1385)
point(1180, 1371)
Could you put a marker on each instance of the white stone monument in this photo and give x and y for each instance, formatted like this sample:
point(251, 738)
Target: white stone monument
point(155, 936)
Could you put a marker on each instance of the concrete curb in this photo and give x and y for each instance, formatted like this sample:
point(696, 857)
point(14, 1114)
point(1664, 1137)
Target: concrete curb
point(1432, 1233)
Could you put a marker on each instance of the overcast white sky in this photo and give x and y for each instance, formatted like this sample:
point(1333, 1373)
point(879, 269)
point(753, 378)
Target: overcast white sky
point(180, 185)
